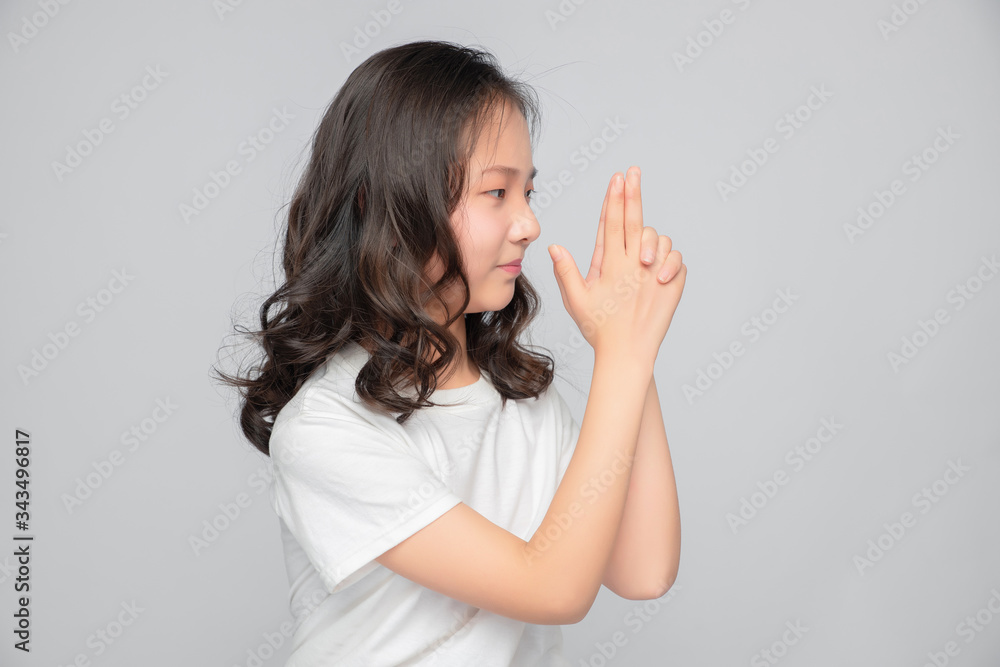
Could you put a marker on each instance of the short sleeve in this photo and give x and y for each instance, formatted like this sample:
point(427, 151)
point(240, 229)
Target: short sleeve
point(569, 432)
point(348, 491)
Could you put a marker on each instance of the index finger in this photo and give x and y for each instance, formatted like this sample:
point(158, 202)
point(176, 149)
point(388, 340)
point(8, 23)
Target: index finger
point(595, 262)
point(633, 213)
point(614, 221)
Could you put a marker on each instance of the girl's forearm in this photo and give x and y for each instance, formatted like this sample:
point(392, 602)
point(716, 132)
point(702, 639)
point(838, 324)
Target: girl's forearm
point(573, 544)
point(646, 555)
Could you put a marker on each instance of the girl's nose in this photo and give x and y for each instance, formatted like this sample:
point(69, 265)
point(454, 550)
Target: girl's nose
point(526, 225)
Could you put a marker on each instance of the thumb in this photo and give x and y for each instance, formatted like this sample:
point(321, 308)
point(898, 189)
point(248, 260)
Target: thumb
point(567, 275)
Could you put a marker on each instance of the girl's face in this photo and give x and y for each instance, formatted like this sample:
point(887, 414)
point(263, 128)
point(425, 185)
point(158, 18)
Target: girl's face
point(494, 224)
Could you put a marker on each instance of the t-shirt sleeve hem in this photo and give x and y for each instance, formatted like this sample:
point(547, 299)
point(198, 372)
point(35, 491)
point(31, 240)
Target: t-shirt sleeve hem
point(334, 577)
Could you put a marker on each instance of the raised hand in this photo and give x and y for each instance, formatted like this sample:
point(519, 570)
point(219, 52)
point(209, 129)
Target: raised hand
point(625, 302)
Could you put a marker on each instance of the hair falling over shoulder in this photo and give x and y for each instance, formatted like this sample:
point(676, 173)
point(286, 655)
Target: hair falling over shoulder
point(387, 169)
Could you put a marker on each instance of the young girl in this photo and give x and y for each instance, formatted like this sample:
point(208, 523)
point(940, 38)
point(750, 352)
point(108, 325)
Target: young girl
point(435, 493)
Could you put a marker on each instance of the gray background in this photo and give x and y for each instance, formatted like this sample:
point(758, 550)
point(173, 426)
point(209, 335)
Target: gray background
point(826, 357)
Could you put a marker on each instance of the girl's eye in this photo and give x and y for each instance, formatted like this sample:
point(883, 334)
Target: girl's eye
point(503, 190)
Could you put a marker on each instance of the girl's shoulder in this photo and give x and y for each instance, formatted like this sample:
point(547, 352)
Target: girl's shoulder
point(329, 391)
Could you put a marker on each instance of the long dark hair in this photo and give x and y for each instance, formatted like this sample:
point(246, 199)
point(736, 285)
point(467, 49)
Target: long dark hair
point(388, 167)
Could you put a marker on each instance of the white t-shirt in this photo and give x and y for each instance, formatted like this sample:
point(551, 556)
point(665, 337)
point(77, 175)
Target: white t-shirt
point(350, 483)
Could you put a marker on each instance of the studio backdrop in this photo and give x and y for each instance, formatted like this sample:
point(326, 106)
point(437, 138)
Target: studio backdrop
point(829, 383)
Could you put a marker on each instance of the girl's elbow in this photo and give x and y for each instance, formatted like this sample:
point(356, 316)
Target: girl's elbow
point(578, 611)
point(655, 589)
point(664, 585)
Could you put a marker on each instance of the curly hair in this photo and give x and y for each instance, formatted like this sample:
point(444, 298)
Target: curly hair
point(388, 167)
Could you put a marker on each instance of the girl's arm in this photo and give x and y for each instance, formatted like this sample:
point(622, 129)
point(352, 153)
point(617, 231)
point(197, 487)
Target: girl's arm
point(646, 555)
point(555, 576)
point(573, 546)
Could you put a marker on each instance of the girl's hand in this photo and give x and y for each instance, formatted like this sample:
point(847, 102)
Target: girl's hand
point(626, 303)
point(653, 247)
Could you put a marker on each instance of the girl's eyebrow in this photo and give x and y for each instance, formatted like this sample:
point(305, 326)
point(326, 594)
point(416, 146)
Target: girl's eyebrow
point(510, 171)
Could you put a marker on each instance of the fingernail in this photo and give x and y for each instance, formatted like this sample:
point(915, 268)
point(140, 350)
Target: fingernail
point(619, 183)
point(663, 277)
point(647, 256)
